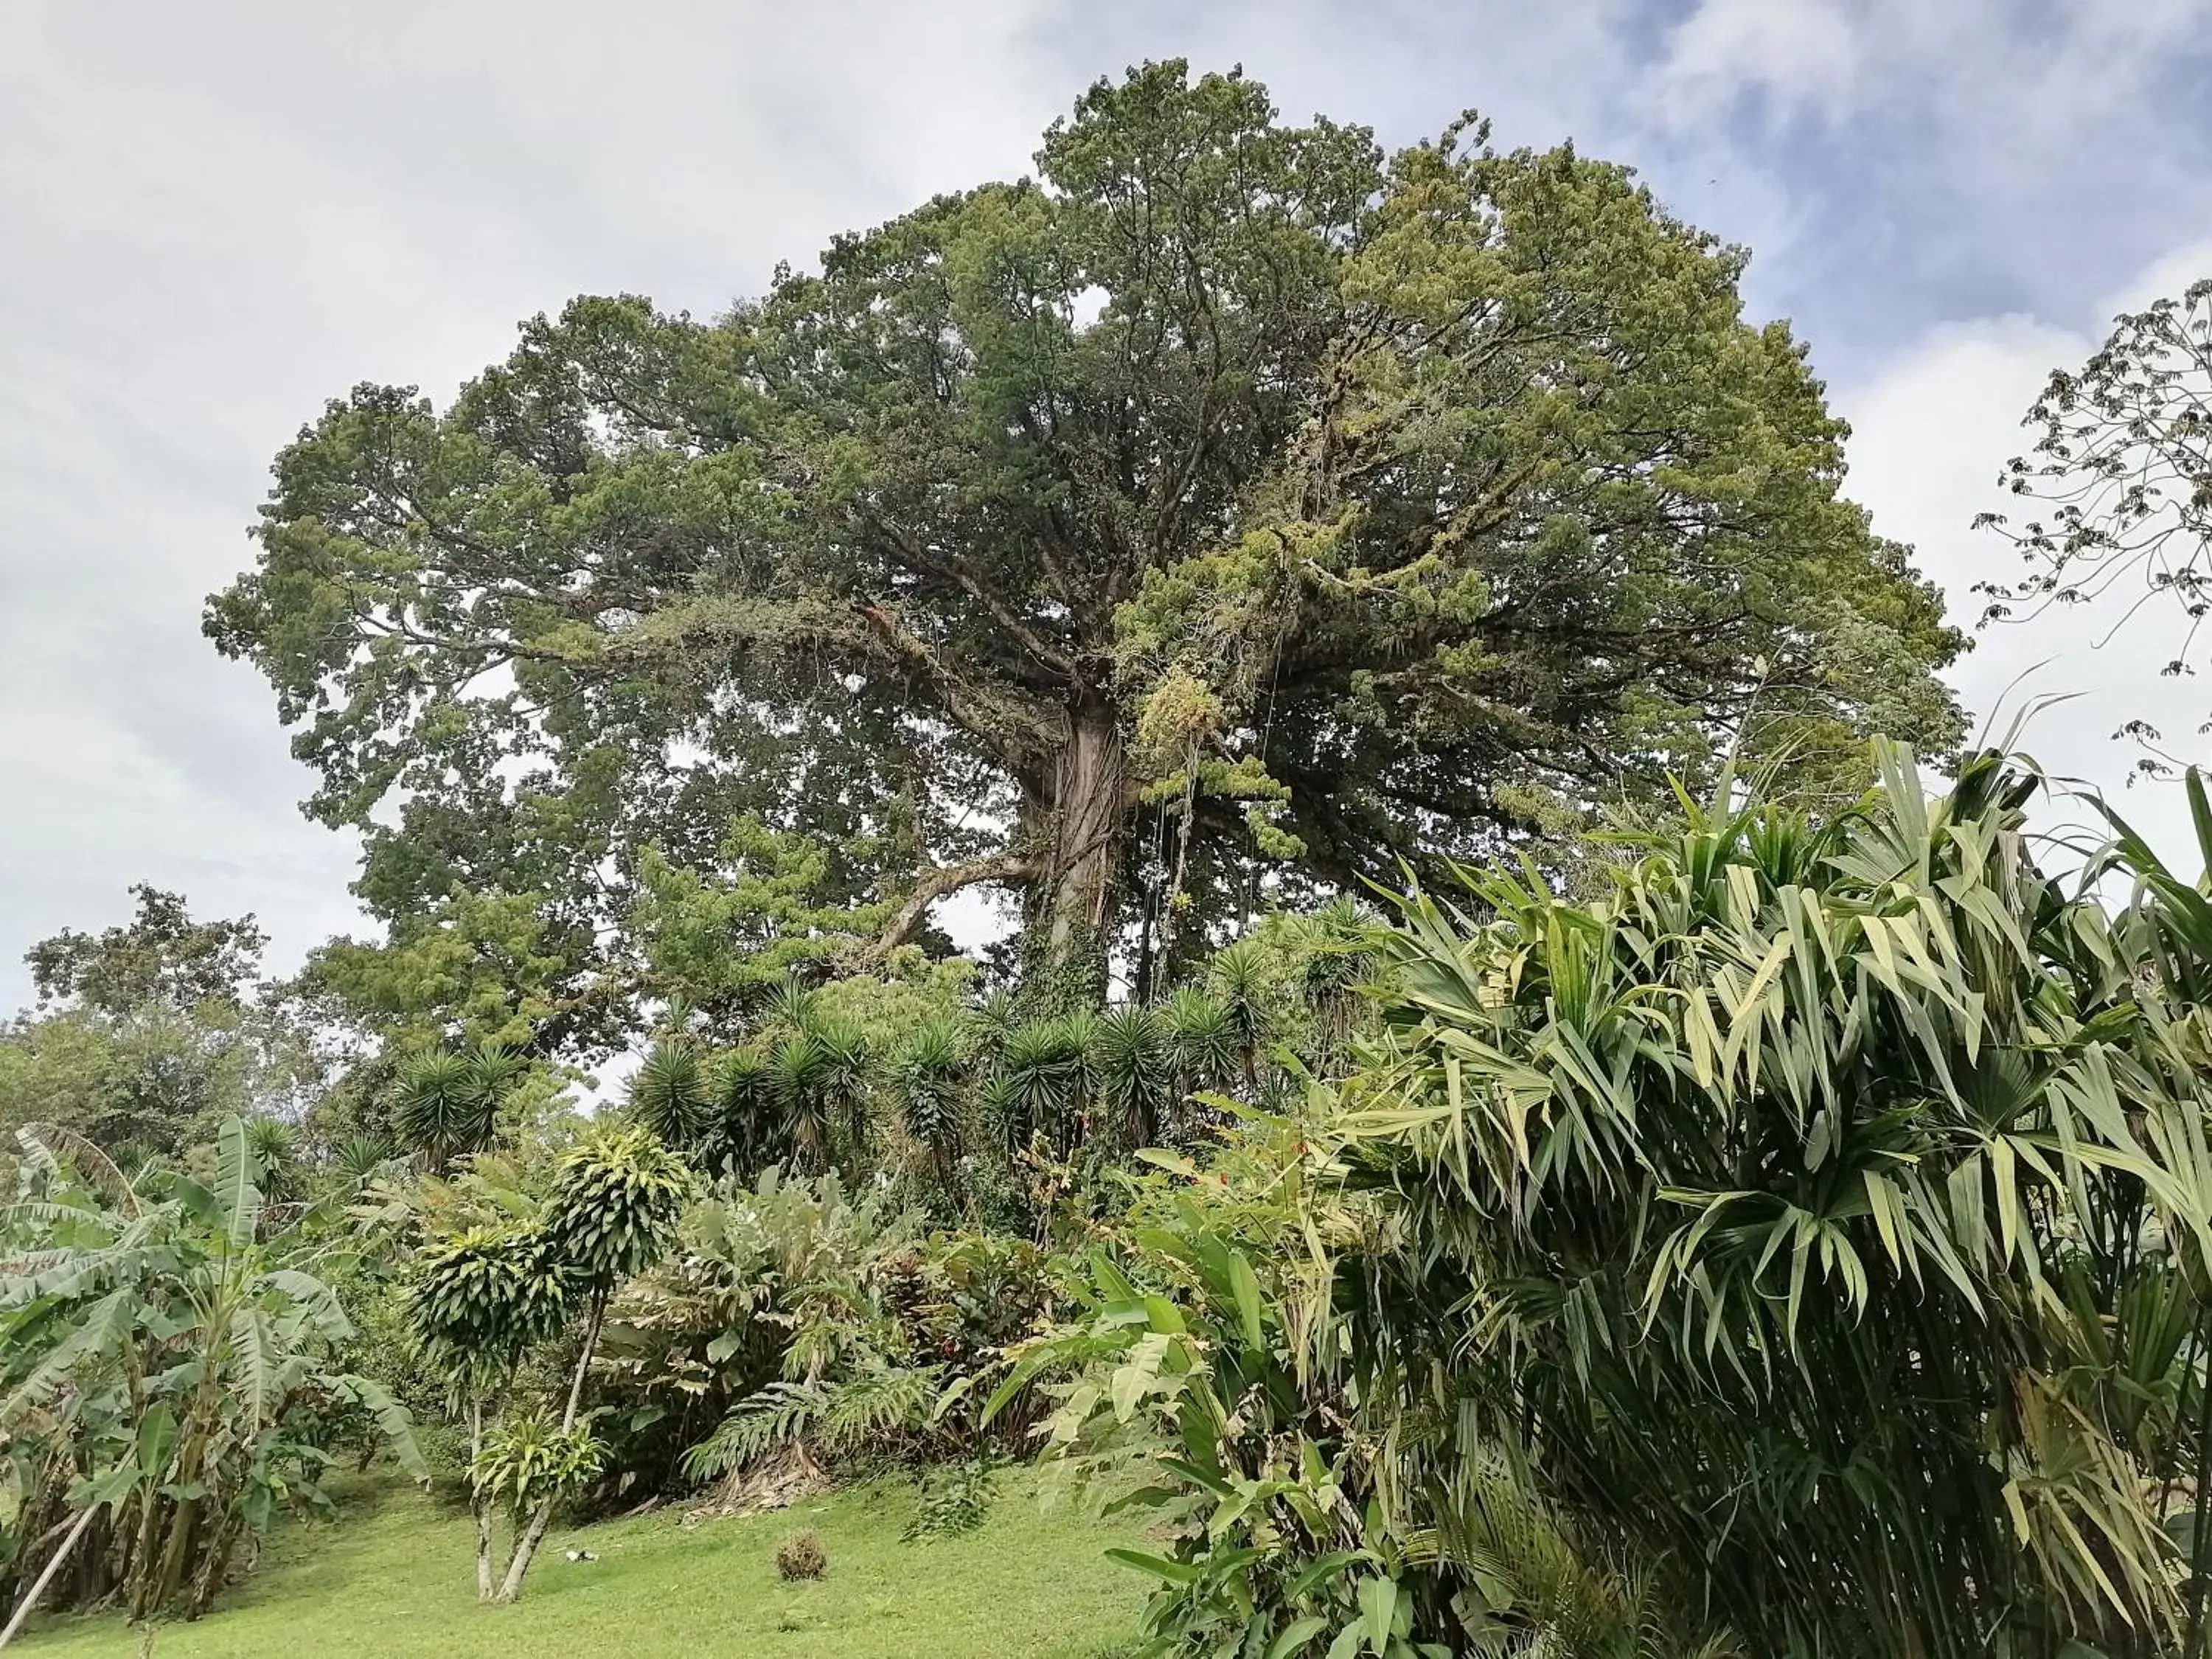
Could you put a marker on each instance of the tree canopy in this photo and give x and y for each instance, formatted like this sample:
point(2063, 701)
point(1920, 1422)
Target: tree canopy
point(1230, 502)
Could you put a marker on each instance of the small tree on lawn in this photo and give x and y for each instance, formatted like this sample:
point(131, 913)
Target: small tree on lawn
point(481, 1300)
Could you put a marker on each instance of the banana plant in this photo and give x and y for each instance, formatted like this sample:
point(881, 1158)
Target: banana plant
point(165, 1361)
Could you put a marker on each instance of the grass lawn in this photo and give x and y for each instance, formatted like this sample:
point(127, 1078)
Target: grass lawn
point(395, 1578)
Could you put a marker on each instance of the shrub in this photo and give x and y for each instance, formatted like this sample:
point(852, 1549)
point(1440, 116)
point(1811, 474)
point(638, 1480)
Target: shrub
point(800, 1555)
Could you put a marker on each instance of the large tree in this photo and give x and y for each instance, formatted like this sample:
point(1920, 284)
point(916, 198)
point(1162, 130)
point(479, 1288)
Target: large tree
point(1228, 494)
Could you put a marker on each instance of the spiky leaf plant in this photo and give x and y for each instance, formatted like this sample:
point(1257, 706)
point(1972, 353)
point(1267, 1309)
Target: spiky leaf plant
point(671, 1094)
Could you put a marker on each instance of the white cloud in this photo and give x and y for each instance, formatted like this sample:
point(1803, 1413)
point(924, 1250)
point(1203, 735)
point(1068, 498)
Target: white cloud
point(219, 216)
point(1808, 51)
point(1931, 427)
point(2040, 71)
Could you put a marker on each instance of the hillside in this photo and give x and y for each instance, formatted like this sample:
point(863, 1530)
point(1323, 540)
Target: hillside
point(391, 1579)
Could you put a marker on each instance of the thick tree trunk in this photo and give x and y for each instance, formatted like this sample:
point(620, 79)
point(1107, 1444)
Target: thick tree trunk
point(1087, 801)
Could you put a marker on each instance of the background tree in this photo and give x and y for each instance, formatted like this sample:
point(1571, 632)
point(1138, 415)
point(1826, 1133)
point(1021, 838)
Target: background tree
point(1437, 500)
point(2122, 470)
point(160, 956)
point(149, 1034)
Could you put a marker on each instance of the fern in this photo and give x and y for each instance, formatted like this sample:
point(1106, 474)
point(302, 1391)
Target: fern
point(837, 1418)
point(777, 1415)
point(882, 1401)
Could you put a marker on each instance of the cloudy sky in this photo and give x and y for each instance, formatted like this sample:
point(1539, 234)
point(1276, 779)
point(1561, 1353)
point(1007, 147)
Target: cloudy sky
point(214, 216)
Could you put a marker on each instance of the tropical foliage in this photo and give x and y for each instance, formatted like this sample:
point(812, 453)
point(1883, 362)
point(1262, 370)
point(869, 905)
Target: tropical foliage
point(481, 1300)
point(167, 1375)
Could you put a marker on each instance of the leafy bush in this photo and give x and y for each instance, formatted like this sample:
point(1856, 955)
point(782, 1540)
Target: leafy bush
point(530, 1460)
point(167, 1372)
point(1843, 1177)
point(955, 1498)
point(1206, 1379)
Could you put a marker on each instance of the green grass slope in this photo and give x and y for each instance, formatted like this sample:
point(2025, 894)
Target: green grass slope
point(394, 1578)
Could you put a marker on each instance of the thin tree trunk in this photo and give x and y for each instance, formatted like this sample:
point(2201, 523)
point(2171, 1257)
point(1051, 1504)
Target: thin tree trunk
point(478, 1507)
point(1169, 910)
point(46, 1575)
point(534, 1534)
point(525, 1547)
point(584, 1360)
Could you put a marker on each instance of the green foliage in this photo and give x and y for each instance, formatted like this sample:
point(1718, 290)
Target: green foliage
point(166, 1373)
point(149, 1036)
point(1207, 1383)
point(672, 1095)
point(766, 907)
point(528, 1461)
point(492, 965)
point(478, 1301)
point(1845, 1173)
point(447, 1105)
point(162, 956)
point(869, 1409)
point(615, 1198)
point(793, 1316)
point(954, 1499)
point(1431, 502)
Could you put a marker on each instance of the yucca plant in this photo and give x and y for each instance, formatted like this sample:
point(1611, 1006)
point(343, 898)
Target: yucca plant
point(751, 1131)
point(1132, 1064)
point(1238, 979)
point(1340, 940)
point(927, 1075)
point(360, 1158)
point(1823, 1203)
point(846, 1080)
point(1044, 1079)
point(671, 1094)
point(804, 1076)
point(1202, 1039)
point(446, 1105)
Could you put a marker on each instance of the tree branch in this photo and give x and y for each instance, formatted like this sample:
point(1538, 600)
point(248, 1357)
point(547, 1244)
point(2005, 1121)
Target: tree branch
point(1007, 869)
